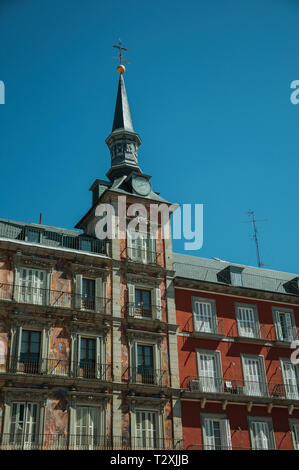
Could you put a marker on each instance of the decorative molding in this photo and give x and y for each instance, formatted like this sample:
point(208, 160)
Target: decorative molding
point(91, 271)
point(136, 402)
point(27, 320)
point(22, 259)
point(31, 394)
point(143, 279)
point(145, 334)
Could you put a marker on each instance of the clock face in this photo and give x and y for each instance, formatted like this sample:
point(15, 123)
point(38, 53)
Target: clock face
point(141, 185)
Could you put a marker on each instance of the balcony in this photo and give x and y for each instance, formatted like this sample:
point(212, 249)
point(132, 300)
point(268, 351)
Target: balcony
point(234, 388)
point(54, 368)
point(86, 442)
point(152, 312)
point(248, 332)
point(71, 240)
point(148, 376)
point(205, 329)
point(53, 298)
point(138, 255)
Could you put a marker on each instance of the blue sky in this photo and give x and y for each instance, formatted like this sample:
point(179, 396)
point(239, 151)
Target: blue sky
point(209, 91)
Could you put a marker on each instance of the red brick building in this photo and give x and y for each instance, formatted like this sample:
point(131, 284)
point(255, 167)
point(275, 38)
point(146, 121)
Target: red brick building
point(240, 389)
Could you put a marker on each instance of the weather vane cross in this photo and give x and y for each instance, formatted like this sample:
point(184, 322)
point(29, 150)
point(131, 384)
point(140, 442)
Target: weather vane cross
point(121, 68)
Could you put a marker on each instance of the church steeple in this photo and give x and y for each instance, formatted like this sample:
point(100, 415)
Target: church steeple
point(123, 142)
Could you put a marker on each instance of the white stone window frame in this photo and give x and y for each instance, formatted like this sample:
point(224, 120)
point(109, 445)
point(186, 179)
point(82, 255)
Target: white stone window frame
point(211, 352)
point(148, 249)
point(157, 359)
point(222, 418)
point(48, 270)
point(292, 423)
point(155, 291)
point(139, 408)
point(29, 324)
point(256, 319)
point(263, 419)
point(261, 360)
point(283, 361)
point(100, 292)
point(99, 404)
point(284, 310)
point(100, 351)
point(212, 303)
point(24, 396)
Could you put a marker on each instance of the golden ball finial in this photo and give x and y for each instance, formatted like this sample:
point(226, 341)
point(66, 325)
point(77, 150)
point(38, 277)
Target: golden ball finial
point(121, 69)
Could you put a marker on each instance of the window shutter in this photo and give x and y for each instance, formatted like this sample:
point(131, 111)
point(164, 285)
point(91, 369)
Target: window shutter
point(99, 366)
point(77, 360)
point(131, 292)
point(129, 245)
point(247, 322)
point(209, 434)
point(157, 307)
point(99, 294)
point(261, 435)
point(78, 291)
point(278, 329)
point(17, 284)
point(143, 249)
point(289, 325)
point(225, 428)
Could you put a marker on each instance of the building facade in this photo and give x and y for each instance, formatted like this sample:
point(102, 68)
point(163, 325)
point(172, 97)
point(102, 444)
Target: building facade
point(240, 388)
point(88, 351)
point(117, 343)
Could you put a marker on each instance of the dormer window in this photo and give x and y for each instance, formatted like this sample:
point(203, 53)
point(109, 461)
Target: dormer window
point(292, 286)
point(231, 275)
point(236, 276)
point(33, 236)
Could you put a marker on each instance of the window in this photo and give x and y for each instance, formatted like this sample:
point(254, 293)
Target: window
point(88, 294)
point(144, 302)
point(294, 426)
point(236, 276)
point(216, 433)
point(254, 376)
point(145, 364)
point(30, 351)
point(88, 357)
point(33, 236)
point(247, 321)
point(261, 432)
point(88, 427)
point(209, 371)
point(87, 353)
point(31, 286)
point(204, 315)
point(142, 248)
point(284, 325)
point(24, 425)
point(86, 245)
point(146, 430)
point(290, 373)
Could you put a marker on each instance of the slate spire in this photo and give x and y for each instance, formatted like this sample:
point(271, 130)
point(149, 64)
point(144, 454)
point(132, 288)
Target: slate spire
point(122, 116)
point(123, 142)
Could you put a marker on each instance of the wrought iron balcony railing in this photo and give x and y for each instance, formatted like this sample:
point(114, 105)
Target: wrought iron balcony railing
point(142, 256)
point(143, 311)
point(27, 441)
point(148, 376)
point(241, 387)
point(31, 365)
point(53, 298)
point(14, 231)
point(212, 326)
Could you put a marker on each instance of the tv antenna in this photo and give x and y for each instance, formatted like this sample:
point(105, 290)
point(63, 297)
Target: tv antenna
point(253, 220)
